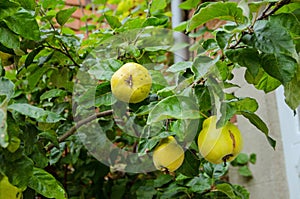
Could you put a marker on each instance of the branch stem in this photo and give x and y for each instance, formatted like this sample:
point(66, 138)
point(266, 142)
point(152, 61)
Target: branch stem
point(72, 130)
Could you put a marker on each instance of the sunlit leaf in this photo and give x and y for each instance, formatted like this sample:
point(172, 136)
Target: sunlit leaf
point(8, 8)
point(45, 184)
point(178, 107)
point(157, 5)
point(189, 4)
point(24, 24)
point(113, 21)
point(63, 15)
point(226, 189)
point(27, 4)
point(37, 113)
point(220, 10)
point(52, 93)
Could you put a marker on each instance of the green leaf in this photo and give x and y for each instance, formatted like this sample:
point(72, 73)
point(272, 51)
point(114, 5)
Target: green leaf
point(189, 4)
point(61, 78)
point(146, 191)
point(181, 27)
point(8, 38)
point(199, 184)
point(113, 21)
point(291, 92)
point(8, 8)
point(104, 100)
point(222, 39)
point(18, 169)
point(262, 81)
point(47, 135)
point(178, 107)
point(288, 8)
point(279, 66)
point(37, 113)
point(30, 57)
point(241, 191)
point(288, 21)
point(158, 80)
point(272, 38)
point(247, 57)
point(162, 180)
point(46, 185)
point(4, 138)
point(102, 70)
point(34, 78)
point(226, 189)
point(7, 89)
point(172, 190)
point(245, 171)
point(220, 10)
point(20, 23)
point(157, 5)
point(180, 66)
point(246, 104)
point(242, 158)
point(14, 144)
point(132, 23)
point(63, 16)
point(53, 93)
point(202, 65)
point(256, 121)
point(190, 165)
point(39, 157)
point(148, 144)
point(154, 21)
point(27, 4)
point(252, 158)
point(6, 92)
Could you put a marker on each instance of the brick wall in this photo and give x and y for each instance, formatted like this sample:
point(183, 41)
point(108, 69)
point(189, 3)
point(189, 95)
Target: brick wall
point(76, 23)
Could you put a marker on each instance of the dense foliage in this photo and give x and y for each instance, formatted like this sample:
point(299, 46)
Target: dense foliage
point(55, 81)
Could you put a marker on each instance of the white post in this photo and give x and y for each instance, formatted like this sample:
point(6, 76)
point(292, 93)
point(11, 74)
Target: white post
point(177, 17)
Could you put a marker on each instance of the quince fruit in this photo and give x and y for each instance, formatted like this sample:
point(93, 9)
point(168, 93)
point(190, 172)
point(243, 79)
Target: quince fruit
point(131, 83)
point(9, 191)
point(168, 154)
point(219, 145)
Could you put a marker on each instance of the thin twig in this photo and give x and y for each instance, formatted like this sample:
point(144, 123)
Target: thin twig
point(65, 50)
point(277, 7)
point(72, 130)
point(69, 55)
point(264, 15)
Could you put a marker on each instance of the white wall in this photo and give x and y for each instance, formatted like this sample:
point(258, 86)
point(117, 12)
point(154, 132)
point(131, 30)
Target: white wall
point(269, 174)
point(290, 130)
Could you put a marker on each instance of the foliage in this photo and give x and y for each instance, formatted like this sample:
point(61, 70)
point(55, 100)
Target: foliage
point(40, 109)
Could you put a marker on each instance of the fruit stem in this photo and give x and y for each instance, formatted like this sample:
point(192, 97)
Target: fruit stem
point(225, 158)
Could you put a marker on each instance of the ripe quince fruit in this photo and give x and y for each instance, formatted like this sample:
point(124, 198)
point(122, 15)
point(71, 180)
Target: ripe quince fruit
point(131, 83)
point(168, 154)
point(219, 145)
point(9, 191)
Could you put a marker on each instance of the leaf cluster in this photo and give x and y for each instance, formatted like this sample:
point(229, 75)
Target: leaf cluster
point(47, 92)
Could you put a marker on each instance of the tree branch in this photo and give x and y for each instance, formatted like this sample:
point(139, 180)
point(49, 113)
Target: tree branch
point(78, 125)
point(277, 7)
point(265, 14)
